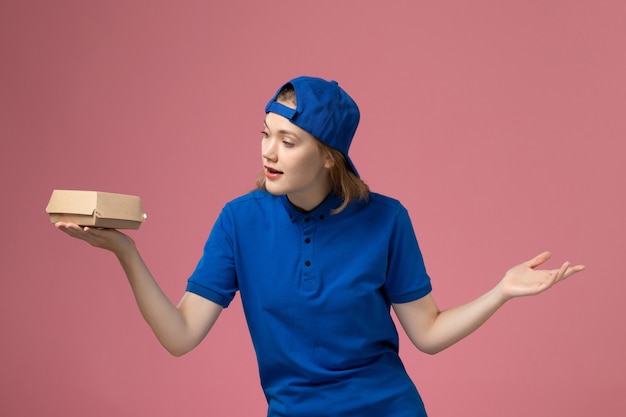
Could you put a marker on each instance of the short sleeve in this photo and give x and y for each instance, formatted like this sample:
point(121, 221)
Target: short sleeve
point(407, 279)
point(215, 276)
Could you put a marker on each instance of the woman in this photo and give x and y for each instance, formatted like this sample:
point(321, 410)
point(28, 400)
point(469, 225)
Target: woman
point(319, 261)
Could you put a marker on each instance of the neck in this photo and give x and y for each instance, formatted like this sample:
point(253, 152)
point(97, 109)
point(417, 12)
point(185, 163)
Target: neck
point(309, 200)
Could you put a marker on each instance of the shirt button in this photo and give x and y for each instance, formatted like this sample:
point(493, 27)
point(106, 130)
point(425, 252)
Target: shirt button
point(308, 263)
point(307, 219)
point(321, 217)
point(307, 240)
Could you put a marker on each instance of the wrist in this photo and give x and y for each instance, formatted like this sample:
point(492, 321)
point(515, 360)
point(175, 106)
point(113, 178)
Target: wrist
point(125, 251)
point(500, 294)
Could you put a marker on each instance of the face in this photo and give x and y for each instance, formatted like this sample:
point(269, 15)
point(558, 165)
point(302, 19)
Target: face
point(294, 163)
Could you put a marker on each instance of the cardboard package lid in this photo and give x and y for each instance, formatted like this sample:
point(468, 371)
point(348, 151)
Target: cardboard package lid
point(97, 203)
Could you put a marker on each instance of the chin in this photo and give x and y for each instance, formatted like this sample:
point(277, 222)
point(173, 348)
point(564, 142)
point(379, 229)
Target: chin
point(270, 188)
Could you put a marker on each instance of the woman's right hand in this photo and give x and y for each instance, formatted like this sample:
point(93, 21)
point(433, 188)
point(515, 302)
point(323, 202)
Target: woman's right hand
point(178, 328)
point(109, 239)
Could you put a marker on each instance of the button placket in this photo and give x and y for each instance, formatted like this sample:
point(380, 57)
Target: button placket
point(308, 267)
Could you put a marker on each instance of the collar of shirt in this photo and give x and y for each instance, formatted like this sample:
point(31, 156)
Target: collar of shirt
point(320, 212)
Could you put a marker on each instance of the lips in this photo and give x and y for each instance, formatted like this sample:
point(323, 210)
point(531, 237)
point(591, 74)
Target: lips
point(272, 170)
point(272, 173)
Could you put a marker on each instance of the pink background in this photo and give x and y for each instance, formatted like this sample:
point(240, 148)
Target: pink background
point(499, 125)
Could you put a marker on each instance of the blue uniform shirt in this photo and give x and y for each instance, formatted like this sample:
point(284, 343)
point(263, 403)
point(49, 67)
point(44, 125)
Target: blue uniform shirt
point(316, 289)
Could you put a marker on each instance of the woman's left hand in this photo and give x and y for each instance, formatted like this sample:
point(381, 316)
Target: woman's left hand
point(526, 279)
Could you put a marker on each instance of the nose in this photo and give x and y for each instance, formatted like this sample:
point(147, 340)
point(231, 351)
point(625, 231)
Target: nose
point(268, 149)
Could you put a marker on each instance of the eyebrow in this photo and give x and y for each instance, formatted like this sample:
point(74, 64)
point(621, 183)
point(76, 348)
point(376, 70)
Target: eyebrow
point(284, 132)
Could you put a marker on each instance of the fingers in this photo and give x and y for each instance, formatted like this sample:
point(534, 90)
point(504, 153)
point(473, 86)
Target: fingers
point(109, 239)
point(566, 271)
point(89, 235)
point(573, 270)
point(75, 229)
point(70, 228)
point(562, 271)
point(538, 260)
point(557, 275)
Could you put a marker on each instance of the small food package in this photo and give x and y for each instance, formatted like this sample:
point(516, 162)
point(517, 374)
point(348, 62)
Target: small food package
point(96, 209)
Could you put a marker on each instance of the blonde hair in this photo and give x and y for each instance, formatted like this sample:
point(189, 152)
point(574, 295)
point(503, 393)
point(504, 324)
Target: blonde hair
point(343, 182)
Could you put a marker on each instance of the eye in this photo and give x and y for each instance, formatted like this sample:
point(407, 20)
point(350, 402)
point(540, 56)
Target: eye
point(287, 144)
point(265, 134)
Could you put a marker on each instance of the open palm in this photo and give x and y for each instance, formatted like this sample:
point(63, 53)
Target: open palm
point(525, 279)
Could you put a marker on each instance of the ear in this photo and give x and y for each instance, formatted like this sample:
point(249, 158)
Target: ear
point(330, 161)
